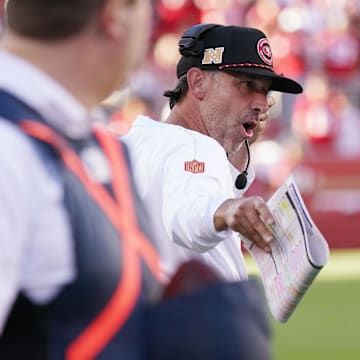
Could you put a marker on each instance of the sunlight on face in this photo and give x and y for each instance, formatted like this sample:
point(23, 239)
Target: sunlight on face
point(232, 107)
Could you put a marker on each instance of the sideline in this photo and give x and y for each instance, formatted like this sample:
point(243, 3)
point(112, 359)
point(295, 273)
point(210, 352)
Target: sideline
point(342, 265)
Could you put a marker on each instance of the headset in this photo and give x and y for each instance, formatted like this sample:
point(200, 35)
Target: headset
point(190, 43)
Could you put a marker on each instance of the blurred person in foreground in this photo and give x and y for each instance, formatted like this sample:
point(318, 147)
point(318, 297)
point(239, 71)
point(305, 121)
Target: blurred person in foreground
point(78, 274)
point(72, 277)
point(192, 170)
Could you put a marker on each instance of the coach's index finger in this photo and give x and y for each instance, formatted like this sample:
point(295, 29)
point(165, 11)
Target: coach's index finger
point(265, 214)
point(268, 220)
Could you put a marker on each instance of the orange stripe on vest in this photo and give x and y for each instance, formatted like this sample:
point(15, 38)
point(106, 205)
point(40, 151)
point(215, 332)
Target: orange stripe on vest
point(122, 214)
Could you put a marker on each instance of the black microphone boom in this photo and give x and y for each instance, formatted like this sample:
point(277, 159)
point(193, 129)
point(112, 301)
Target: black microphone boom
point(241, 180)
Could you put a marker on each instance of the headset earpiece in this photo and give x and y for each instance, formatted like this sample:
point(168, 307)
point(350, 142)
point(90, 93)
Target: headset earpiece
point(190, 43)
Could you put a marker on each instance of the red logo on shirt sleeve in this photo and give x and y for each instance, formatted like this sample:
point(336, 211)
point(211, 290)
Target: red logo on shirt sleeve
point(195, 167)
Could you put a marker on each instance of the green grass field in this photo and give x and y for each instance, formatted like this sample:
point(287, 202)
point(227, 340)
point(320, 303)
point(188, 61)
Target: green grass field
point(326, 323)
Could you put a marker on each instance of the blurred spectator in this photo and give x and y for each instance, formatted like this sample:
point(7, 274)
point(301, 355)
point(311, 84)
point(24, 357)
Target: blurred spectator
point(309, 37)
point(325, 120)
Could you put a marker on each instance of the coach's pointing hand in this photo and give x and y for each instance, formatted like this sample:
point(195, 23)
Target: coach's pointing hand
point(250, 217)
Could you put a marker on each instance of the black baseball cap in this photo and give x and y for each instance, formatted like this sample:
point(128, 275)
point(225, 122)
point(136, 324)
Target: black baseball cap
point(231, 48)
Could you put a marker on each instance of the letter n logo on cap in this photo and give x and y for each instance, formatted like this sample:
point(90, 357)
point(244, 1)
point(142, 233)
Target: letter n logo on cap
point(213, 56)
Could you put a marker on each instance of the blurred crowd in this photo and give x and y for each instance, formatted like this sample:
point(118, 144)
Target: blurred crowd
point(316, 42)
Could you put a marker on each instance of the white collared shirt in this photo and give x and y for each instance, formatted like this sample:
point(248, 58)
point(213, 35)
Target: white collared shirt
point(36, 249)
point(181, 196)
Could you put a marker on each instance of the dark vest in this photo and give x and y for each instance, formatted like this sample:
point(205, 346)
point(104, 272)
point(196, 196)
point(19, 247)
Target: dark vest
point(100, 314)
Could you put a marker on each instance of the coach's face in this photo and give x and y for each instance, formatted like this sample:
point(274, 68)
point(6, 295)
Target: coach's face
point(232, 107)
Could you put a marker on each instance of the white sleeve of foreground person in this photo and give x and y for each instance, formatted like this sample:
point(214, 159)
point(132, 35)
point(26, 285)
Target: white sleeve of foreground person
point(35, 239)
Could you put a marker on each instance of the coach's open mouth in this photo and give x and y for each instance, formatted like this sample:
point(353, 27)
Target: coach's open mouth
point(249, 127)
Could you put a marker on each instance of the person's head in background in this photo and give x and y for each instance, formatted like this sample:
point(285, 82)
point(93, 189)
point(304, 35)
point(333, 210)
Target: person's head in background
point(225, 74)
point(89, 46)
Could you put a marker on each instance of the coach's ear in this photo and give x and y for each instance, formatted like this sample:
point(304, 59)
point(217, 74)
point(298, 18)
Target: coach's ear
point(197, 82)
point(114, 17)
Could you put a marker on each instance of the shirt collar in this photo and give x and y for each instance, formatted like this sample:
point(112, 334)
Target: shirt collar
point(58, 107)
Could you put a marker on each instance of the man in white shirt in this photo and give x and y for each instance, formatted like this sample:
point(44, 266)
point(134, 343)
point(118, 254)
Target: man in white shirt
point(186, 167)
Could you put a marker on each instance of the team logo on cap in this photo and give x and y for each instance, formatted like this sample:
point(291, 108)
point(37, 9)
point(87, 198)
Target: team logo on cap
point(264, 51)
point(213, 56)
